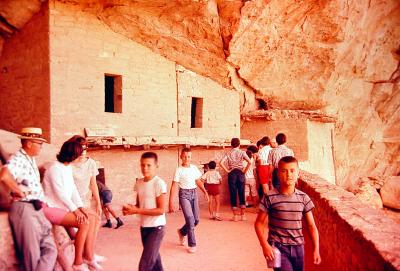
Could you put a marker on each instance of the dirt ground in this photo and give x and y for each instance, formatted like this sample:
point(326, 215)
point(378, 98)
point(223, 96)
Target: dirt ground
point(221, 245)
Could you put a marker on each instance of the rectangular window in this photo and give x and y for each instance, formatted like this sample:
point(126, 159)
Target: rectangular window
point(196, 113)
point(113, 93)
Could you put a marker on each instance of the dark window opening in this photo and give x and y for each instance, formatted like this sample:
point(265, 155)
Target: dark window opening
point(196, 113)
point(113, 93)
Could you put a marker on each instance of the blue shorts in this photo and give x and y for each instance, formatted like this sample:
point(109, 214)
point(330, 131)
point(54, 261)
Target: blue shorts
point(106, 197)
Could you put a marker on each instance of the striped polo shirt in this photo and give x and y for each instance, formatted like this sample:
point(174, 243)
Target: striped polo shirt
point(285, 213)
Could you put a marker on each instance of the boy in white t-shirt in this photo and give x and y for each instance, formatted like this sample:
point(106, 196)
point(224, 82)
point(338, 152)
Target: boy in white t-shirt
point(150, 205)
point(187, 177)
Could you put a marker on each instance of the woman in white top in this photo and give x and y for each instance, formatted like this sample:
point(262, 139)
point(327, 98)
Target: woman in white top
point(61, 193)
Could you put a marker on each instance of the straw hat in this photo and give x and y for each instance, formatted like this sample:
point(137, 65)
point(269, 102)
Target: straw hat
point(32, 133)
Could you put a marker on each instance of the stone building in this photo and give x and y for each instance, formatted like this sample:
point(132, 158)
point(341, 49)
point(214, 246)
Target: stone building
point(68, 73)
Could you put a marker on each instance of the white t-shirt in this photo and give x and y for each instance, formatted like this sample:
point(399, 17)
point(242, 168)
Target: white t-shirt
point(83, 172)
point(263, 154)
point(250, 172)
point(147, 194)
point(187, 176)
point(60, 189)
point(211, 177)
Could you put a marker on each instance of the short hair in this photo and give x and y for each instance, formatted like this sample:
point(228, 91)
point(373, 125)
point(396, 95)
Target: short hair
point(186, 150)
point(252, 148)
point(280, 138)
point(69, 152)
point(249, 153)
point(150, 155)
point(235, 142)
point(265, 141)
point(212, 165)
point(287, 160)
point(258, 143)
point(78, 138)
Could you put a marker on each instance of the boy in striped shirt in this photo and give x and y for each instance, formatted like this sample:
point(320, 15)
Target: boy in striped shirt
point(283, 209)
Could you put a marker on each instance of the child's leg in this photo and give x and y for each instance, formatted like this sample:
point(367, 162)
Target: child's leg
point(240, 187)
point(217, 205)
point(109, 208)
point(232, 190)
point(210, 207)
point(186, 201)
point(151, 240)
point(106, 213)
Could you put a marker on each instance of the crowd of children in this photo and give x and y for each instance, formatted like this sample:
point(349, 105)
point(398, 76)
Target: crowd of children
point(268, 173)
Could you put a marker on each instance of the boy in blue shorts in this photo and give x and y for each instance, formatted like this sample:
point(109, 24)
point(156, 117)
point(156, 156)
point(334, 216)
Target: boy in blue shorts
point(283, 210)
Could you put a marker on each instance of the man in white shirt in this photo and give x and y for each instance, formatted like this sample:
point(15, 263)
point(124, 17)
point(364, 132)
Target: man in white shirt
point(32, 231)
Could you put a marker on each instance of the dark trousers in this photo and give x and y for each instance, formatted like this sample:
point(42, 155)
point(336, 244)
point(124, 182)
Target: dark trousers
point(236, 181)
point(151, 240)
point(292, 257)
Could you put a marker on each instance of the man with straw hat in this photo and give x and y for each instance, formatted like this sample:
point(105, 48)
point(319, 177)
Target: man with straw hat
point(32, 231)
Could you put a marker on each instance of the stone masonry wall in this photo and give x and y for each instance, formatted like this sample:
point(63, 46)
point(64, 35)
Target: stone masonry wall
point(221, 111)
point(294, 129)
point(25, 77)
point(353, 236)
point(320, 158)
point(83, 50)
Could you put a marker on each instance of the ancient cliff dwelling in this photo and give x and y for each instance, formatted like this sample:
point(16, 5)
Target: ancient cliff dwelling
point(162, 75)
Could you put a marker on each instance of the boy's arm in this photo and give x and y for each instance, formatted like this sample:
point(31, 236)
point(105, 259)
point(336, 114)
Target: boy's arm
point(312, 229)
point(172, 193)
point(221, 163)
point(262, 232)
point(159, 210)
point(200, 184)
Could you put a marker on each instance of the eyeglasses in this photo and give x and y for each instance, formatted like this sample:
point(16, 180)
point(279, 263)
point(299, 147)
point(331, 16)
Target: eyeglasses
point(37, 142)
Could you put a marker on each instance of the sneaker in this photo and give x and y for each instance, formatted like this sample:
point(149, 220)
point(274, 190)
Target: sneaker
point(235, 218)
point(191, 249)
point(243, 218)
point(218, 218)
point(181, 238)
point(119, 223)
point(99, 259)
point(81, 267)
point(93, 265)
point(108, 224)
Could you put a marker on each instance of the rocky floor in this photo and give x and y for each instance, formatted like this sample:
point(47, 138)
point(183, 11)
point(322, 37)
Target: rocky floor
point(222, 245)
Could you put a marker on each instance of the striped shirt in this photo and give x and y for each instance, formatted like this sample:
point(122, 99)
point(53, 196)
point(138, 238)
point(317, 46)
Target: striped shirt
point(277, 153)
point(234, 158)
point(285, 213)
